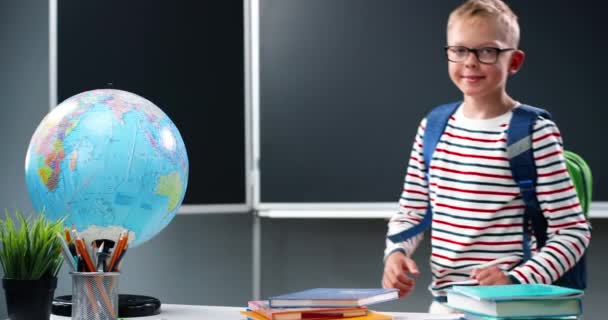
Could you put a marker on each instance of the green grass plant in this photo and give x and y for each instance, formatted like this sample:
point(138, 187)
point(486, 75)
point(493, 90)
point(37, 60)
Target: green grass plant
point(29, 247)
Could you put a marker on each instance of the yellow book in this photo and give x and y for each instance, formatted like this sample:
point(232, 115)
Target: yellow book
point(371, 315)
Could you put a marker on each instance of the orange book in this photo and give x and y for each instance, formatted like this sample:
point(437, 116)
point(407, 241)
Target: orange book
point(262, 307)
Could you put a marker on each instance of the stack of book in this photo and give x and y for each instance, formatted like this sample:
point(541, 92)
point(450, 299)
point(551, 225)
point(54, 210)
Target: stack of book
point(520, 301)
point(322, 304)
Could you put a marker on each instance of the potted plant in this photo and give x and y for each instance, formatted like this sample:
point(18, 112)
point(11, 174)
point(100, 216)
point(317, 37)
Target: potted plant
point(30, 254)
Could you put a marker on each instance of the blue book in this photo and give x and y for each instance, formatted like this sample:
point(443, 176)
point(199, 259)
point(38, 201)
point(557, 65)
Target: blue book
point(516, 301)
point(334, 297)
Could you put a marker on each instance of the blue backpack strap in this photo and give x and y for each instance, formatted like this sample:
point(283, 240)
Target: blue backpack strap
point(436, 121)
point(523, 168)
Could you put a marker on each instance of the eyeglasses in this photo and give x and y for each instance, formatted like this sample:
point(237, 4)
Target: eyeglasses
point(486, 55)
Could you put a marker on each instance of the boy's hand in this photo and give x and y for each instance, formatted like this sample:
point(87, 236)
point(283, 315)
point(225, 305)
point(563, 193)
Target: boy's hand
point(490, 276)
point(396, 268)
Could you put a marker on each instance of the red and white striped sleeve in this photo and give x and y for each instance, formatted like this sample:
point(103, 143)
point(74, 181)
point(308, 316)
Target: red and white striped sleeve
point(412, 203)
point(568, 232)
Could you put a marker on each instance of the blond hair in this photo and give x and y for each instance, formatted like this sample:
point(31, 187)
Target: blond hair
point(475, 9)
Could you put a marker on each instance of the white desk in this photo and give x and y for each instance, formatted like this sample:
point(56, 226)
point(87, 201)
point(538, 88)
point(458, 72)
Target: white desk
point(186, 312)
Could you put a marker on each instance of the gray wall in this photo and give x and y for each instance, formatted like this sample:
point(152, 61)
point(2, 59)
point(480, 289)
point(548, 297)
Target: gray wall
point(206, 259)
point(199, 259)
point(23, 95)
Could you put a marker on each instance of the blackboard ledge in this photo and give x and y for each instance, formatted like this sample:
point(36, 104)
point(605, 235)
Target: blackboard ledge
point(365, 210)
point(213, 208)
point(334, 210)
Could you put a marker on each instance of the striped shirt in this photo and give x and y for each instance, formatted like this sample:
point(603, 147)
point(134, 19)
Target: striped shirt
point(478, 209)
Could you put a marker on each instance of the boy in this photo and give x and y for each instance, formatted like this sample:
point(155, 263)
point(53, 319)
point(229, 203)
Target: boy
point(477, 227)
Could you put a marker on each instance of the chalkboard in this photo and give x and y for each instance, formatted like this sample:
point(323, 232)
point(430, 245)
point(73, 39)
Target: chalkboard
point(187, 57)
point(345, 83)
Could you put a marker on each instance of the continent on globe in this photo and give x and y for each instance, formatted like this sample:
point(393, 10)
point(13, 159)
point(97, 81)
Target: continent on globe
point(108, 160)
point(170, 186)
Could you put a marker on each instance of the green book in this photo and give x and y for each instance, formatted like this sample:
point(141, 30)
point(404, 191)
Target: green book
point(518, 292)
point(468, 316)
point(516, 301)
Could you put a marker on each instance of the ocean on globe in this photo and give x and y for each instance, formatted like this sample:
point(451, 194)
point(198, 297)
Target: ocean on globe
point(108, 160)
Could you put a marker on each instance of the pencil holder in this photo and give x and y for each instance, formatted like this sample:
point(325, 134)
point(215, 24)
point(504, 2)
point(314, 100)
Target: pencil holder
point(94, 295)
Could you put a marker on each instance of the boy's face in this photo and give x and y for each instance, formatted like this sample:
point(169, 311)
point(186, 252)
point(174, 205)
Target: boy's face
point(473, 78)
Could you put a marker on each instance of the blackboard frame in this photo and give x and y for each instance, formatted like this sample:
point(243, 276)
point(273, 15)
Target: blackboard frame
point(243, 190)
point(529, 18)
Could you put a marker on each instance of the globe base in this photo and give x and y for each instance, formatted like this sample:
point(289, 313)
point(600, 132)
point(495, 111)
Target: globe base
point(129, 305)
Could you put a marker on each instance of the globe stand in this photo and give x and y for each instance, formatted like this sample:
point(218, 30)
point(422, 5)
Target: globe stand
point(128, 306)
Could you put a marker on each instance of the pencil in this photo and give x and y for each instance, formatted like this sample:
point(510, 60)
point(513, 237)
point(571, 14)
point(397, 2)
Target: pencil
point(81, 247)
point(68, 238)
point(66, 253)
point(119, 260)
point(122, 241)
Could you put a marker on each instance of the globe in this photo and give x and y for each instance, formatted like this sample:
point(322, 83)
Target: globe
point(108, 160)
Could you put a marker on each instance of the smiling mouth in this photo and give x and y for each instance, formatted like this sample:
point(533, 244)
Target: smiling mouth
point(472, 78)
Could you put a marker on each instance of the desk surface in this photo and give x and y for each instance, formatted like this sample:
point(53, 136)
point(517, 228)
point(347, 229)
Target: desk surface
point(186, 312)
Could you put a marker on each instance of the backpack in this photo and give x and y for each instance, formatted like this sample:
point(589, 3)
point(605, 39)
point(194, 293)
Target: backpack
point(523, 168)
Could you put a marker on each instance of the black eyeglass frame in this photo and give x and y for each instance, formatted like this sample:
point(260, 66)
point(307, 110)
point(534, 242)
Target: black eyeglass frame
point(475, 51)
